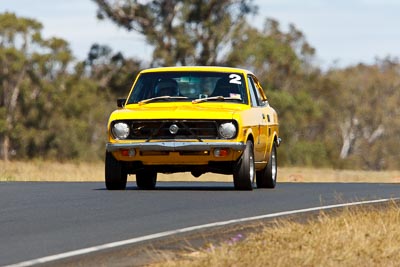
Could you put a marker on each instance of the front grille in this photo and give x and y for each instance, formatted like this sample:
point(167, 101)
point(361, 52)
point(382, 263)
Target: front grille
point(184, 129)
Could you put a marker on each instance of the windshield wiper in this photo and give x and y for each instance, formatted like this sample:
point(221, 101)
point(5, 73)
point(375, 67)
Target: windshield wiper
point(220, 97)
point(161, 97)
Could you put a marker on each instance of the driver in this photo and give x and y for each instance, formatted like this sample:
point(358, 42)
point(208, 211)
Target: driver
point(166, 87)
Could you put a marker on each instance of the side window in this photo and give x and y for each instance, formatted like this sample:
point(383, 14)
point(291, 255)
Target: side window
point(254, 95)
point(262, 99)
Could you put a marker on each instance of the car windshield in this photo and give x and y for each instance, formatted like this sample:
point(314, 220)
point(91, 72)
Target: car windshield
point(195, 87)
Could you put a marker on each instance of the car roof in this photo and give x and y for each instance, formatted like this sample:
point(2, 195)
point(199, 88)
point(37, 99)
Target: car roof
point(197, 68)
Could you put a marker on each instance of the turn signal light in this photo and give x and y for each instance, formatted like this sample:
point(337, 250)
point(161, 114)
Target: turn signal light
point(128, 152)
point(221, 152)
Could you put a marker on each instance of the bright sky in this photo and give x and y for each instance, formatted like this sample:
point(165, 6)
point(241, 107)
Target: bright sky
point(344, 32)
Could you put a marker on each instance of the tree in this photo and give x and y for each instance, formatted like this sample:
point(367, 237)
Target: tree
point(112, 71)
point(366, 103)
point(16, 37)
point(182, 32)
point(48, 108)
point(282, 59)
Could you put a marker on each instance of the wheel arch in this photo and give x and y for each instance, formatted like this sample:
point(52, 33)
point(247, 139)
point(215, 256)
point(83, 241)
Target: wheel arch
point(277, 140)
point(248, 136)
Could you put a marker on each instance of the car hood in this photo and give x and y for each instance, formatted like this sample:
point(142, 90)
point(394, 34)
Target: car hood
point(178, 111)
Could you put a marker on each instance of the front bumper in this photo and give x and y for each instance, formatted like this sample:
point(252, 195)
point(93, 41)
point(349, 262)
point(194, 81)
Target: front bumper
point(174, 146)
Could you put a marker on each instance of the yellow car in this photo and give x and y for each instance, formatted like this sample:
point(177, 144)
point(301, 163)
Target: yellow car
point(193, 119)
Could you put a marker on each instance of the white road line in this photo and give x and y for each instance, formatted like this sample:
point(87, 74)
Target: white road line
point(182, 230)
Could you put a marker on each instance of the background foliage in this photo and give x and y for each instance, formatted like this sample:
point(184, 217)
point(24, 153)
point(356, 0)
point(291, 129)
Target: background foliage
point(53, 106)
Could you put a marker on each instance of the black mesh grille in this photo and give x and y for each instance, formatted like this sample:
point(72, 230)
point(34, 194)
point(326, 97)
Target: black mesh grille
point(185, 129)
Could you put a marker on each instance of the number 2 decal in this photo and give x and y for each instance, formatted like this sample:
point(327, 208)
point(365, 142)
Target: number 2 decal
point(235, 78)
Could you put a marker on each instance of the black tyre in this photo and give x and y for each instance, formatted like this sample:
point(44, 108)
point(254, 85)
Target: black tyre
point(266, 178)
point(244, 172)
point(146, 179)
point(115, 174)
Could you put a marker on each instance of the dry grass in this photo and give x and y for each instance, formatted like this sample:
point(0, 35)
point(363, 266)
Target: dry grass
point(360, 237)
point(337, 176)
point(72, 172)
point(51, 171)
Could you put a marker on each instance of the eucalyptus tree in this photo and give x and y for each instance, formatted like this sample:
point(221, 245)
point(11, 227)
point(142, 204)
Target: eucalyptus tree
point(48, 108)
point(367, 114)
point(181, 32)
point(18, 36)
point(111, 70)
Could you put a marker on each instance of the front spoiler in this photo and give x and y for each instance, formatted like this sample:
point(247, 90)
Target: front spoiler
point(175, 146)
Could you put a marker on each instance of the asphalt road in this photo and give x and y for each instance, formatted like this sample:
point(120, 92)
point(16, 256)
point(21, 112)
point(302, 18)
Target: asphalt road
point(41, 219)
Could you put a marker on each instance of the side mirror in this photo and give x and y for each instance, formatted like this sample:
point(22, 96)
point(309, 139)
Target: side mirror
point(121, 102)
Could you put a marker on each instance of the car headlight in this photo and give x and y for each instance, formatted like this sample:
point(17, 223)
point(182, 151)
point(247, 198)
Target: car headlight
point(227, 130)
point(120, 130)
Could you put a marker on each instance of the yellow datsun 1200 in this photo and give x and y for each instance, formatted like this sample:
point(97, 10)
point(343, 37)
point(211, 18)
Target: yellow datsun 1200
point(193, 119)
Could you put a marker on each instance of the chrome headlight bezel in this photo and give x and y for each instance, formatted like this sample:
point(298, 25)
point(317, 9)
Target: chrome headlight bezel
point(120, 130)
point(227, 130)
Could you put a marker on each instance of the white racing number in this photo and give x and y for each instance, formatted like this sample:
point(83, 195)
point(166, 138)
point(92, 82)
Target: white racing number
point(235, 78)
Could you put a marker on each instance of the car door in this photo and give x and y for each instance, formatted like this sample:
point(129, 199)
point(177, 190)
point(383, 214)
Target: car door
point(260, 129)
point(270, 116)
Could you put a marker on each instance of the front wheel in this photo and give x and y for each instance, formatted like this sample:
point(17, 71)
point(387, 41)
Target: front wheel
point(115, 174)
point(244, 172)
point(266, 178)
